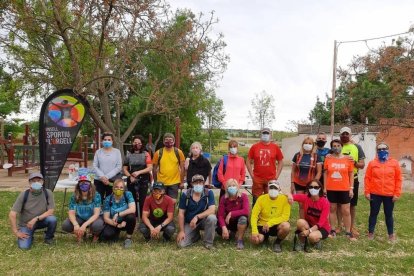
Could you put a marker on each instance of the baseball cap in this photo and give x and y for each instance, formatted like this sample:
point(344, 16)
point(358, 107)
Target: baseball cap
point(345, 129)
point(34, 175)
point(196, 178)
point(274, 183)
point(158, 185)
point(265, 130)
point(382, 145)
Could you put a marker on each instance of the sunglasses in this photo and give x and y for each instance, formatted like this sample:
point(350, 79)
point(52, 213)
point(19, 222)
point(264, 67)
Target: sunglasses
point(382, 149)
point(314, 187)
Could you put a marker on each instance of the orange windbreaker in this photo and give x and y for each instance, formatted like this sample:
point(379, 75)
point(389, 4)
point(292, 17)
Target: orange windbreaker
point(383, 179)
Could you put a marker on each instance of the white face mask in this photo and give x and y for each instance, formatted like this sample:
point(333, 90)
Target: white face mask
point(314, 192)
point(265, 137)
point(307, 147)
point(273, 193)
point(233, 151)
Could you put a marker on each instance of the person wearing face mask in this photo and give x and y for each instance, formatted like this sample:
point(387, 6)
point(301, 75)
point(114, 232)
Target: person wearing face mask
point(321, 150)
point(357, 156)
point(158, 215)
point(264, 162)
point(119, 214)
point(306, 165)
point(338, 178)
point(233, 213)
point(270, 217)
point(383, 180)
point(314, 227)
point(137, 167)
point(35, 207)
point(198, 164)
point(84, 209)
point(168, 166)
point(235, 167)
point(107, 164)
point(196, 212)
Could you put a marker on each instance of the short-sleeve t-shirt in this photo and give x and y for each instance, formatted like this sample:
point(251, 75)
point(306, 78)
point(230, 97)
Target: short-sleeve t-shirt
point(169, 167)
point(158, 212)
point(316, 212)
point(194, 208)
point(119, 206)
point(337, 170)
point(351, 150)
point(34, 206)
point(85, 209)
point(305, 164)
point(323, 152)
point(264, 157)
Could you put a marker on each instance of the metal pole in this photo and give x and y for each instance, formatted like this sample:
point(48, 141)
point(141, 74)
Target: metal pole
point(333, 88)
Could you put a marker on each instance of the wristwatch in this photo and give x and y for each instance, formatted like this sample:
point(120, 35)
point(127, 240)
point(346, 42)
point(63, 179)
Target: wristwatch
point(162, 225)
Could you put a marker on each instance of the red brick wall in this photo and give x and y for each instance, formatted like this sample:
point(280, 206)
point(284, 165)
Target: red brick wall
point(400, 140)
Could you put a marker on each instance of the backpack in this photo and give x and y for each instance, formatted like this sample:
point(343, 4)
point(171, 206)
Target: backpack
point(214, 179)
point(190, 192)
point(160, 152)
point(26, 196)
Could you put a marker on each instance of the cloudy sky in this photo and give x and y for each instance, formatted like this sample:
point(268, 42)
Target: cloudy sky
point(286, 48)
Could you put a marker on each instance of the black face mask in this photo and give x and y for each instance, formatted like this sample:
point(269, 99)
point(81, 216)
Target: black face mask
point(320, 143)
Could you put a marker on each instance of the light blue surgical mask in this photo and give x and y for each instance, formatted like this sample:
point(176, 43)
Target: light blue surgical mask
point(107, 144)
point(265, 137)
point(198, 188)
point(36, 186)
point(232, 190)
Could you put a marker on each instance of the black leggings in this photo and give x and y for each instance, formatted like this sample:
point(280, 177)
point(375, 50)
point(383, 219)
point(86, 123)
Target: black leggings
point(139, 191)
point(111, 233)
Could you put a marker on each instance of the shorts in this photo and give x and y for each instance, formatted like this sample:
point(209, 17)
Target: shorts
point(172, 190)
point(299, 187)
point(272, 231)
point(259, 186)
point(340, 197)
point(354, 199)
point(324, 233)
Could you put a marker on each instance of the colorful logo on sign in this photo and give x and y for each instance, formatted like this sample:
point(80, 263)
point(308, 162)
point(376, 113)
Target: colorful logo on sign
point(66, 111)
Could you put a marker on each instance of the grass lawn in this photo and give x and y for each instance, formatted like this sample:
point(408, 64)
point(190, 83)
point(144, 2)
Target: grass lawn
point(338, 255)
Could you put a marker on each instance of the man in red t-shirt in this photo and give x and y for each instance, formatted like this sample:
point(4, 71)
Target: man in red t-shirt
point(158, 214)
point(267, 159)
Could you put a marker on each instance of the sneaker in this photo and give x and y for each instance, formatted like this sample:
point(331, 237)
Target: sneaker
point(49, 241)
point(208, 246)
point(299, 246)
point(277, 247)
point(392, 238)
point(332, 234)
point(355, 232)
point(370, 236)
point(318, 245)
point(127, 243)
point(240, 245)
point(350, 236)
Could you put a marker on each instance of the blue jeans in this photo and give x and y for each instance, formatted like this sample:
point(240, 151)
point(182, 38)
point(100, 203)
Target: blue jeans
point(49, 223)
point(375, 204)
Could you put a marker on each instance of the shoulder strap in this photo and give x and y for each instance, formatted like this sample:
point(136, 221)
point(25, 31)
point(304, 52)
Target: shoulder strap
point(225, 159)
point(110, 200)
point(206, 198)
point(25, 197)
point(187, 195)
point(177, 154)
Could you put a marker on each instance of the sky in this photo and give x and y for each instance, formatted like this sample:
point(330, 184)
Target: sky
point(286, 48)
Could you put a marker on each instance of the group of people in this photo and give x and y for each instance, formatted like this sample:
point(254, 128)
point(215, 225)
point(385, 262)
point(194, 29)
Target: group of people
point(323, 183)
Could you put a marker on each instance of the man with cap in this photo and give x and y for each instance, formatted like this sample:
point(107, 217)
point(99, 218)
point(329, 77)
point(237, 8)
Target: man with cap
point(35, 207)
point(267, 159)
point(270, 217)
point(168, 166)
point(158, 214)
point(197, 212)
point(355, 152)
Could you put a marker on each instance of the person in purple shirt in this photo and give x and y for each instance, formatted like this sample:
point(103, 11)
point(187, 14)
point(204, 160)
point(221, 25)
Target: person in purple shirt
point(233, 213)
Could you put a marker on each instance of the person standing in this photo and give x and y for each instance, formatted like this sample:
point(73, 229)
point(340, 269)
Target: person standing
point(198, 164)
point(321, 150)
point(383, 180)
point(35, 207)
point(357, 156)
point(137, 167)
point(107, 164)
point(168, 166)
point(264, 163)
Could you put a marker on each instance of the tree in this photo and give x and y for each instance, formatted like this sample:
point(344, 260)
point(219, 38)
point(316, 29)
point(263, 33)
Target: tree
point(9, 103)
point(263, 110)
point(320, 114)
point(116, 54)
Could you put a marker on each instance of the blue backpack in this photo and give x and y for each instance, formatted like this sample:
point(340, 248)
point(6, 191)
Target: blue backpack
point(215, 180)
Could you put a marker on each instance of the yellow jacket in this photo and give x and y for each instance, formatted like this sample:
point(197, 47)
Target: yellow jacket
point(270, 212)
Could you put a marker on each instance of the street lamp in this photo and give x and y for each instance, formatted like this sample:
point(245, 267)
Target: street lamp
point(335, 57)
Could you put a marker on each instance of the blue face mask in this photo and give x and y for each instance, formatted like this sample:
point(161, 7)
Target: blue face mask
point(36, 186)
point(107, 144)
point(383, 155)
point(198, 188)
point(232, 190)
